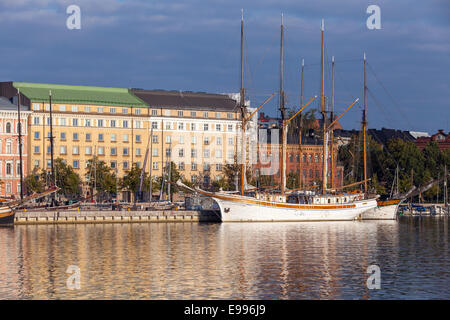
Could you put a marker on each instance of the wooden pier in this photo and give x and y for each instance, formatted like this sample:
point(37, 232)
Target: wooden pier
point(102, 216)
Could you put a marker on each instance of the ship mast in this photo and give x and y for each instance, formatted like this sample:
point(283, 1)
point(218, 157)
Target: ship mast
point(331, 120)
point(364, 126)
point(242, 106)
point(324, 117)
point(300, 176)
point(20, 145)
point(283, 116)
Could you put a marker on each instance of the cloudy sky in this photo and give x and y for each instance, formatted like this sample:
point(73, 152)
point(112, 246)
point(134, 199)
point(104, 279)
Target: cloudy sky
point(194, 45)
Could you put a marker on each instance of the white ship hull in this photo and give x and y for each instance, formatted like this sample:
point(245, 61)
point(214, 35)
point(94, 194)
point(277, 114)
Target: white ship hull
point(388, 212)
point(233, 210)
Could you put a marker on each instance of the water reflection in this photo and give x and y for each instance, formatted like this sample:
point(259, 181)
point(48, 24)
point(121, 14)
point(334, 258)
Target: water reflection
point(227, 261)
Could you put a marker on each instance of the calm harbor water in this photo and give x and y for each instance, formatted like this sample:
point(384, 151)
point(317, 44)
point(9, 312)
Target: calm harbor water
point(323, 260)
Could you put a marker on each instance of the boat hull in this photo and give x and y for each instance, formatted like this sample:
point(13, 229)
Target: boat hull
point(240, 211)
point(6, 216)
point(382, 212)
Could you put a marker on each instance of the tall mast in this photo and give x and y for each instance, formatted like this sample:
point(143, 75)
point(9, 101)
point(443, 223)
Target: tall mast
point(332, 119)
point(20, 145)
point(51, 140)
point(364, 126)
point(151, 164)
point(242, 106)
point(324, 117)
point(283, 116)
point(300, 176)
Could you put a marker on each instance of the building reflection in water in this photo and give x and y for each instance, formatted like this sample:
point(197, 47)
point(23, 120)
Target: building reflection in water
point(201, 261)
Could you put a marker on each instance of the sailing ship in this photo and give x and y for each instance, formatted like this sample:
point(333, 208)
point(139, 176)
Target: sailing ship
point(8, 208)
point(287, 205)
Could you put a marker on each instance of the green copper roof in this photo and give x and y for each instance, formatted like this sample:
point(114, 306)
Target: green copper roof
point(39, 92)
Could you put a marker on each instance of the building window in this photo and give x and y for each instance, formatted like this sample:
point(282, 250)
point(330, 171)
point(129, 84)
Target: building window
point(138, 138)
point(206, 167)
point(87, 109)
point(37, 149)
point(138, 151)
point(155, 152)
point(154, 125)
point(181, 166)
point(168, 125)
point(75, 150)
point(75, 122)
point(230, 127)
point(8, 187)
point(125, 138)
point(8, 147)
point(62, 121)
point(219, 154)
point(88, 150)
point(180, 113)
point(63, 150)
point(88, 137)
point(36, 106)
point(76, 164)
point(218, 127)
point(180, 126)
point(113, 151)
point(193, 153)
point(113, 164)
point(100, 123)
point(137, 111)
point(113, 137)
point(168, 139)
point(230, 141)
point(124, 110)
point(125, 123)
point(36, 120)
point(125, 165)
point(192, 126)
point(229, 115)
point(206, 141)
point(217, 114)
point(205, 127)
point(112, 110)
point(193, 114)
point(316, 158)
point(168, 152)
point(181, 153)
point(36, 134)
point(100, 137)
point(167, 113)
point(138, 124)
point(205, 114)
point(8, 127)
point(155, 165)
point(181, 139)
point(193, 167)
point(125, 151)
point(206, 153)
point(8, 169)
point(154, 112)
point(218, 167)
point(113, 123)
point(100, 109)
point(101, 151)
point(219, 141)
point(155, 139)
point(194, 140)
point(36, 163)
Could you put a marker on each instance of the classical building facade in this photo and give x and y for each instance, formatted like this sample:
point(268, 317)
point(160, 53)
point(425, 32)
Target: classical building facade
point(197, 131)
point(9, 147)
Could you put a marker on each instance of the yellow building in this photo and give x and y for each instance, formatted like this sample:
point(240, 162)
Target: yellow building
point(197, 131)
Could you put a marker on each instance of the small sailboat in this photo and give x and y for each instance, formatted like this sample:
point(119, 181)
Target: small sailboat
point(285, 205)
point(7, 209)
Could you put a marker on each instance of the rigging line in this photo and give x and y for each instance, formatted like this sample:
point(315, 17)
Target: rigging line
point(335, 62)
point(383, 112)
point(390, 96)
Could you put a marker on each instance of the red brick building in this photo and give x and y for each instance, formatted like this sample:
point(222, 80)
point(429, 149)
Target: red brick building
point(442, 139)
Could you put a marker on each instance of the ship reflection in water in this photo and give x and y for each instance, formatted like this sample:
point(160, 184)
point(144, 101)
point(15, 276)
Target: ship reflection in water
point(323, 260)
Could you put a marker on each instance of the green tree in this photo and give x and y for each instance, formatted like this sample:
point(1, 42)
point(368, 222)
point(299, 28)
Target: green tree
point(100, 175)
point(67, 179)
point(33, 182)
